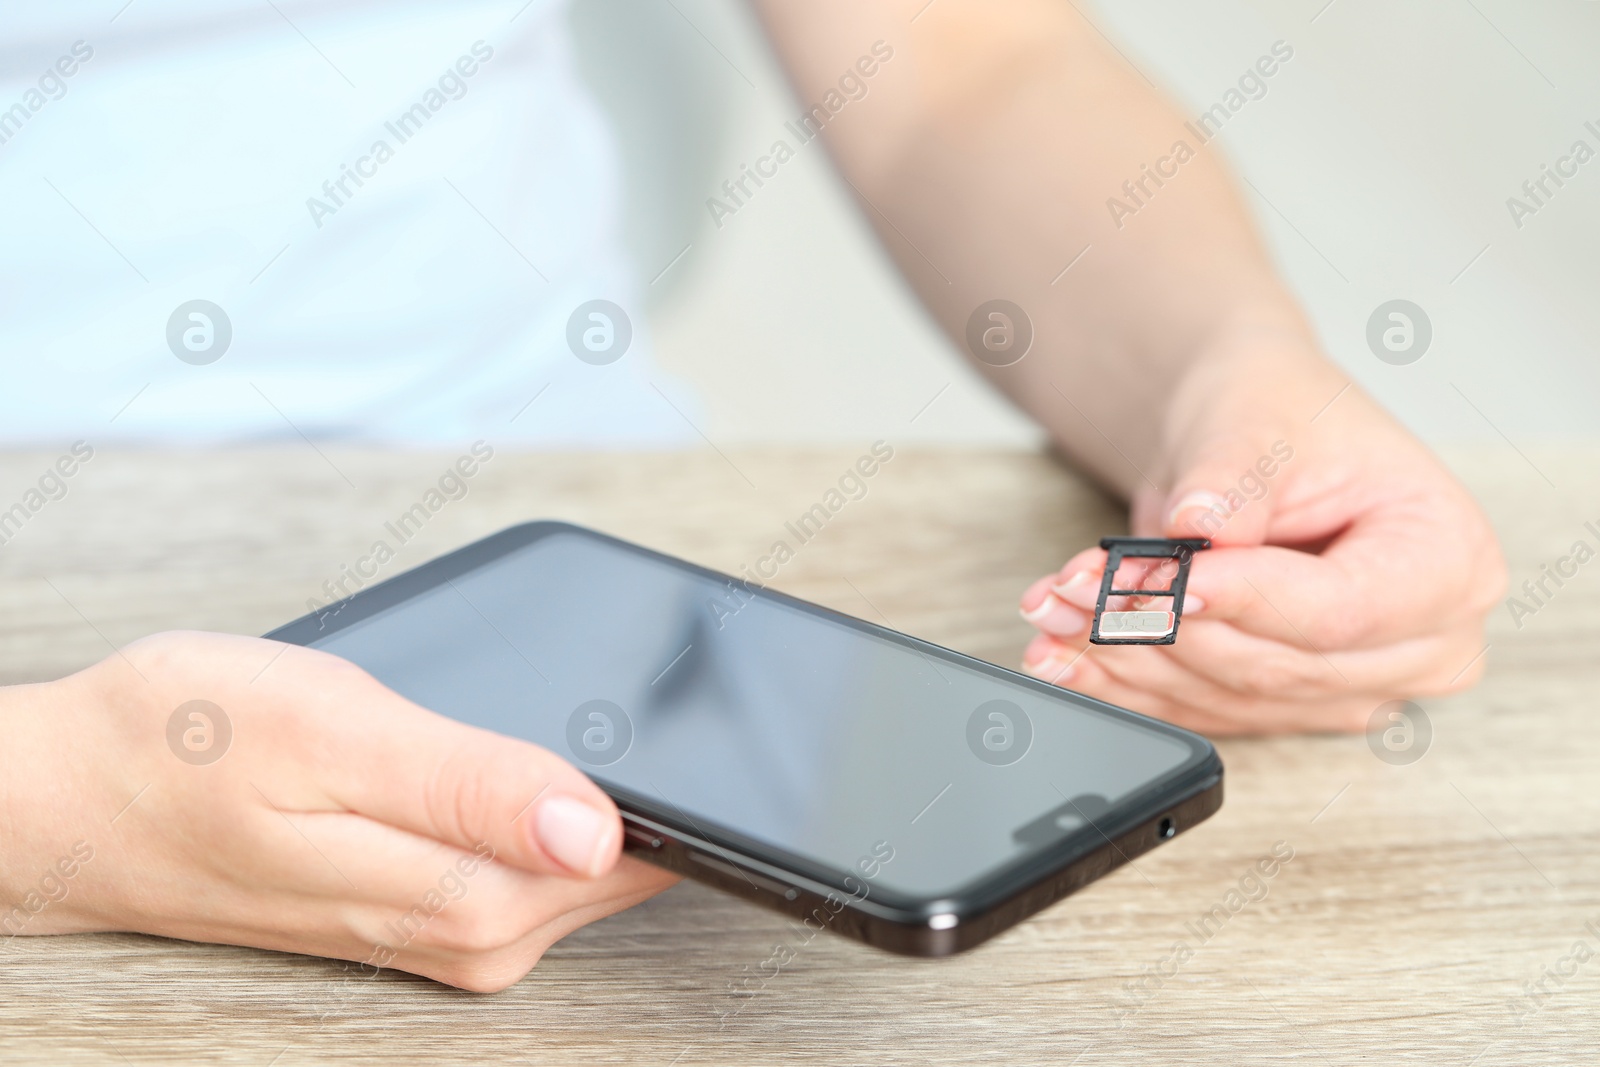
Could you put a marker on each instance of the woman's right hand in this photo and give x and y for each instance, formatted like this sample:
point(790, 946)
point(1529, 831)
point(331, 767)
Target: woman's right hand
point(304, 807)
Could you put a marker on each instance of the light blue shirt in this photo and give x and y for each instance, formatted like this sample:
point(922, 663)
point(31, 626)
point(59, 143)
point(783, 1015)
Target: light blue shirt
point(396, 205)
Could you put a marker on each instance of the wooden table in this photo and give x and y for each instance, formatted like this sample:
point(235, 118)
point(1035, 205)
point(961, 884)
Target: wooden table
point(1419, 900)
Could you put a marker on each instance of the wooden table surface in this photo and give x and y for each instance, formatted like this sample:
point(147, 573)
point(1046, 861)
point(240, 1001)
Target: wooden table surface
point(1420, 900)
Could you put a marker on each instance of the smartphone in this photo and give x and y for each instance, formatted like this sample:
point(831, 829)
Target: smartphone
point(861, 780)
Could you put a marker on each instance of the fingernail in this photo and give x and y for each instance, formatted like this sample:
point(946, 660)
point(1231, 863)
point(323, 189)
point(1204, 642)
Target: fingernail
point(1034, 598)
point(1198, 500)
point(577, 836)
point(1081, 590)
point(1192, 605)
point(1037, 650)
point(1052, 616)
point(1052, 670)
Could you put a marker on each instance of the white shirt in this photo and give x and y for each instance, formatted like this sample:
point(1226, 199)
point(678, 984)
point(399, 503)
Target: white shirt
point(205, 150)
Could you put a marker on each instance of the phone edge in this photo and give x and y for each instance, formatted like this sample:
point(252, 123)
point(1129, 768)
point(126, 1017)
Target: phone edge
point(899, 930)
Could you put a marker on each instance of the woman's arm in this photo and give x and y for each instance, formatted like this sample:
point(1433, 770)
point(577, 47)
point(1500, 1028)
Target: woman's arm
point(986, 150)
point(991, 150)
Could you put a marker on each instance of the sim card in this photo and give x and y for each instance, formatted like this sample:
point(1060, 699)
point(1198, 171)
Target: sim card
point(1147, 611)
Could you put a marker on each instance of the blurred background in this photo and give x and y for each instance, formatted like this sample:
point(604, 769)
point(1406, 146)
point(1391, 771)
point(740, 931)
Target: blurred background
point(1379, 164)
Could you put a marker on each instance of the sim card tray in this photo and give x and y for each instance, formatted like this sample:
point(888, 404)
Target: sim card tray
point(1144, 627)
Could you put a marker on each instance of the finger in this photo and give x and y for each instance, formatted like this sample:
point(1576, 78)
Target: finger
point(1161, 677)
point(390, 759)
point(350, 857)
point(1371, 587)
point(498, 914)
point(1311, 601)
point(501, 916)
point(1401, 552)
point(478, 952)
point(430, 898)
point(1147, 512)
point(1222, 491)
point(1093, 680)
point(1090, 560)
point(1153, 671)
point(1052, 660)
point(1148, 681)
point(1246, 663)
point(1078, 582)
point(1051, 614)
point(490, 972)
point(1221, 662)
point(1078, 585)
point(1241, 715)
point(343, 858)
point(1176, 682)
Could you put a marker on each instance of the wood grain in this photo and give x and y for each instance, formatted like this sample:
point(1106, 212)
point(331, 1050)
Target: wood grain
point(1419, 899)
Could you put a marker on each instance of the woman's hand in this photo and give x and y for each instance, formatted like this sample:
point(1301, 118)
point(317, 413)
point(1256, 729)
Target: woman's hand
point(1348, 569)
point(338, 819)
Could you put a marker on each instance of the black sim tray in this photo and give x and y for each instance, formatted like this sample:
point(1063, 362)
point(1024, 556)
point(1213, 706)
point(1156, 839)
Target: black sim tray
point(1145, 626)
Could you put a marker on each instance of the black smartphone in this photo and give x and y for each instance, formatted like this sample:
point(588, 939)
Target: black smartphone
point(856, 778)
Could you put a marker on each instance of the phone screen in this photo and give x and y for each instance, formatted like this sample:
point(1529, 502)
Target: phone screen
point(744, 712)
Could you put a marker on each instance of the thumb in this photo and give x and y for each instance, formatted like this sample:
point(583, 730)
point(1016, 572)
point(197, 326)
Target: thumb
point(434, 776)
point(1223, 492)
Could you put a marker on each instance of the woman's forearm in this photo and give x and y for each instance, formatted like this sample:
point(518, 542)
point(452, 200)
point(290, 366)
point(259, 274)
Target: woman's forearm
point(989, 150)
